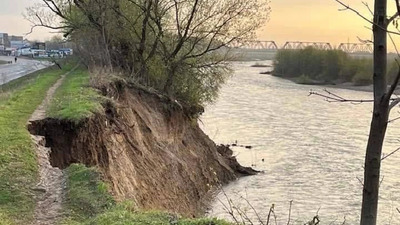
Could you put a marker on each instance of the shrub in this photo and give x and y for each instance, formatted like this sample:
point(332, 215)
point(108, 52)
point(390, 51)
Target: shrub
point(362, 78)
point(304, 79)
point(321, 65)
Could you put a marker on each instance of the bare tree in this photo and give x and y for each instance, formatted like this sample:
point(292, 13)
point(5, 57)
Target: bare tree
point(383, 103)
point(202, 27)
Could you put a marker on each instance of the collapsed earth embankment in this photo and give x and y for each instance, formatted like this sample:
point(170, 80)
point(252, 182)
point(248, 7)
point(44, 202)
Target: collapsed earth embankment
point(147, 148)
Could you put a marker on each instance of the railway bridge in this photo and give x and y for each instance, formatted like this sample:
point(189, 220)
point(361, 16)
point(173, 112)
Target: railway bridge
point(351, 48)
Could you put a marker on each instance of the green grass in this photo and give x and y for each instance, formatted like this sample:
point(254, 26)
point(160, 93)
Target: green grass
point(89, 203)
point(87, 198)
point(3, 62)
point(126, 216)
point(18, 167)
point(74, 99)
point(86, 194)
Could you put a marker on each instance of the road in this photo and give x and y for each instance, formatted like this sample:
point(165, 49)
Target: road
point(9, 72)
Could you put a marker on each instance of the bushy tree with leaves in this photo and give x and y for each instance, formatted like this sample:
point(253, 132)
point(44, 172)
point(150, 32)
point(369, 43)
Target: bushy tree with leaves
point(178, 47)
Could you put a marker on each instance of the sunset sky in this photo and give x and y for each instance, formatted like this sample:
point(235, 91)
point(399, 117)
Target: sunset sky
point(317, 20)
point(290, 20)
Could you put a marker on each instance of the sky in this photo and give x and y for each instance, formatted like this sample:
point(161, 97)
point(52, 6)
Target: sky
point(12, 20)
point(318, 21)
point(290, 20)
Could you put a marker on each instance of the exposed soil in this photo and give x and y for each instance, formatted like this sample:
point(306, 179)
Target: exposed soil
point(148, 150)
point(51, 179)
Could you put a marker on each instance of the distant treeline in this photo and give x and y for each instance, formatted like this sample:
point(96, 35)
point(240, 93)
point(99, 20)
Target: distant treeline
point(313, 66)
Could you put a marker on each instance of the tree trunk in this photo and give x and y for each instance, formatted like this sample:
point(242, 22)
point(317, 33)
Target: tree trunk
point(380, 116)
point(170, 81)
point(372, 166)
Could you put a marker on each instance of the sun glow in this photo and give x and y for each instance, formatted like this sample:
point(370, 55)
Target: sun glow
point(319, 21)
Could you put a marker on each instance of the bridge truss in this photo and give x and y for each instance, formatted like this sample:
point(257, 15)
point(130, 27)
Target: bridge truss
point(272, 46)
point(264, 45)
point(356, 48)
point(303, 45)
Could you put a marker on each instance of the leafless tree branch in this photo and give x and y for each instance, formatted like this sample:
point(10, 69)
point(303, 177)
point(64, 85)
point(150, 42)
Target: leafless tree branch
point(254, 210)
point(393, 86)
point(347, 7)
point(388, 155)
point(359, 180)
point(290, 211)
point(369, 9)
point(397, 6)
point(331, 97)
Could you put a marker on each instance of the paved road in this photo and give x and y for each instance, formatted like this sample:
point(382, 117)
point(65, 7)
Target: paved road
point(9, 72)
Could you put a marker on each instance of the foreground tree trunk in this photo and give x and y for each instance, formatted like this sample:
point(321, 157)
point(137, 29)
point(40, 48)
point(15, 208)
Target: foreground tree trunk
point(379, 118)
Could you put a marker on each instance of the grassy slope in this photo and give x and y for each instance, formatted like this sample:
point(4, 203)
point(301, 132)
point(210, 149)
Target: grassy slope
point(74, 99)
point(18, 167)
point(89, 203)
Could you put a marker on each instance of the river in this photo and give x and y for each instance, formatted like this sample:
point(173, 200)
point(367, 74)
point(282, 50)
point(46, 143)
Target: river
point(313, 150)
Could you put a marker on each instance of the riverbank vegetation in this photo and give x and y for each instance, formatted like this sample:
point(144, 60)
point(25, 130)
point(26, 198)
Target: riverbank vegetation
point(87, 197)
point(313, 66)
point(177, 48)
point(89, 202)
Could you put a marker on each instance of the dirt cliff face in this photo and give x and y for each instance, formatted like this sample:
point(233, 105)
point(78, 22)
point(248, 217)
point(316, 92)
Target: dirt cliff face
point(147, 149)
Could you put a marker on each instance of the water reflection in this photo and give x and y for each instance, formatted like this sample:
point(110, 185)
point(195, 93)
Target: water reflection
point(313, 149)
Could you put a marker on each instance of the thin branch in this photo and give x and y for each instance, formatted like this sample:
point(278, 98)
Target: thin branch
point(254, 210)
point(394, 103)
point(330, 93)
point(391, 121)
point(394, 45)
point(54, 8)
point(365, 41)
point(393, 17)
point(229, 209)
point(388, 155)
point(383, 177)
point(369, 9)
point(344, 220)
point(42, 24)
point(269, 213)
point(359, 180)
point(347, 7)
point(397, 13)
point(394, 84)
point(334, 98)
point(331, 97)
point(290, 211)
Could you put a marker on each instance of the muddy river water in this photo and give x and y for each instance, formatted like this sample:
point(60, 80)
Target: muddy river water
point(311, 151)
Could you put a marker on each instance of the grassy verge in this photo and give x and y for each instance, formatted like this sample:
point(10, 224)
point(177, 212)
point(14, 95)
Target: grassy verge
point(2, 62)
point(7, 90)
point(18, 167)
point(89, 203)
point(74, 99)
point(86, 194)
